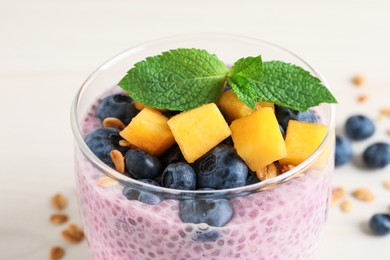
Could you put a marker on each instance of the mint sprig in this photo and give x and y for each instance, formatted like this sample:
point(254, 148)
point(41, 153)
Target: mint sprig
point(182, 79)
point(179, 79)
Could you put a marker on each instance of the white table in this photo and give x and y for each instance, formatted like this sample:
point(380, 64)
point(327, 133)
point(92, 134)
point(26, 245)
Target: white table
point(48, 48)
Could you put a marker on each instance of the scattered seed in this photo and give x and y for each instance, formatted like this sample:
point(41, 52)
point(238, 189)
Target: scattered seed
point(387, 184)
point(358, 80)
point(73, 234)
point(346, 206)
point(56, 253)
point(362, 98)
point(267, 172)
point(385, 111)
point(363, 194)
point(58, 218)
point(124, 143)
point(113, 122)
point(106, 181)
point(59, 201)
point(337, 194)
point(118, 160)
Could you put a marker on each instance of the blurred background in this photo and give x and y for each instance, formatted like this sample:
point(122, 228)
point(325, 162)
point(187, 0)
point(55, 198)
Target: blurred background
point(49, 47)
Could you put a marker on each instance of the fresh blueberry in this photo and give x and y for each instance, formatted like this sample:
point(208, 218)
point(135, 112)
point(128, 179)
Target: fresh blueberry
point(214, 212)
point(343, 151)
point(179, 176)
point(282, 130)
point(377, 155)
point(120, 106)
point(141, 165)
point(221, 168)
point(142, 196)
point(207, 236)
point(228, 141)
point(380, 224)
point(252, 179)
point(173, 155)
point(359, 127)
point(284, 114)
point(102, 141)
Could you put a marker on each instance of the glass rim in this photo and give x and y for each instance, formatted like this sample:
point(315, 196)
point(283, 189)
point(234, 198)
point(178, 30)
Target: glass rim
point(126, 181)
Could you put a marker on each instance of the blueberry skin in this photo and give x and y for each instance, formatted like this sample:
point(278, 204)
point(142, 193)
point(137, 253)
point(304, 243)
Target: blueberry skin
point(207, 236)
point(142, 196)
point(120, 106)
point(377, 155)
point(359, 127)
point(141, 165)
point(173, 155)
point(179, 176)
point(252, 179)
point(221, 168)
point(102, 141)
point(284, 114)
point(215, 213)
point(380, 224)
point(343, 151)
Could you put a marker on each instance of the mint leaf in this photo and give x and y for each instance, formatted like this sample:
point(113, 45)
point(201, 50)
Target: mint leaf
point(179, 79)
point(278, 82)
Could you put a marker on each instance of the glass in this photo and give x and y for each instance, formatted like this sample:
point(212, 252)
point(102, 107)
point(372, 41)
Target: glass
point(279, 218)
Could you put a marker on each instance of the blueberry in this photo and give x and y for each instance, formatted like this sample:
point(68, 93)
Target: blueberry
point(142, 196)
point(380, 224)
point(359, 127)
point(141, 165)
point(284, 114)
point(179, 176)
point(282, 131)
point(173, 155)
point(120, 106)
point(214, 212)
point(221, 168)
point(252, 179)
point(377, 155)
point(343, 151)
point(102, 141)
point(207, 236)
point(228, 141)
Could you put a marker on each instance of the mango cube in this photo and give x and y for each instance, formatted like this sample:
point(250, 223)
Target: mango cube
point(302, 139)
point(149, 131)
point(199, 130)
point(233, 108)
point(257, 138)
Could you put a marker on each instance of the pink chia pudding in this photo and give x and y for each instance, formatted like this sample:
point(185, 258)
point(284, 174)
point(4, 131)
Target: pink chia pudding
point(281, 222)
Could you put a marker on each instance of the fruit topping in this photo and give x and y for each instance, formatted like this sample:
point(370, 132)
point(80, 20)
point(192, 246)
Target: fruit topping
point(198, 130)
point(221, 168)
point(257, 139)
point(141, 165)
point(142, 196)
point(214, 212)
point(343, 151)
point(359, 127)
point(149, 131)
point(302, 139)
point(284, 114)
point(102, 141)
point(377, 155)
point(173, 155)
point(380, 224)
point(179, 176)
point(120, 106)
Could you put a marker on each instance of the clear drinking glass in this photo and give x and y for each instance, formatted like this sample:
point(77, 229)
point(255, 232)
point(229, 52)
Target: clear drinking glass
point(279, 218)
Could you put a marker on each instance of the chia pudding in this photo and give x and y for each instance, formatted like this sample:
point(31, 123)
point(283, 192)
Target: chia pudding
point(275, 218)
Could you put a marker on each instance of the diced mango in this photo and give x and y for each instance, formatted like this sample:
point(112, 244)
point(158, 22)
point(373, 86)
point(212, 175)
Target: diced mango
point(199, 130)
point(257, 138)
point(140, 106)
point(233, 108)
point(302, 139)
point(149, 131)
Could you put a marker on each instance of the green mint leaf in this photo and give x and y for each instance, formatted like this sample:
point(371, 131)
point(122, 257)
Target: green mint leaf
point(246, 67)
point(179, 79)
point(281, 83)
